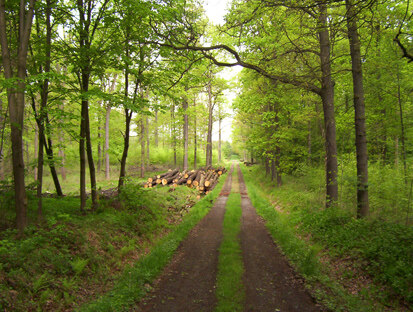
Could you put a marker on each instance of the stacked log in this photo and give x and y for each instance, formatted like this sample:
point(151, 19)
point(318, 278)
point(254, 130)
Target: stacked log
point(203, 179)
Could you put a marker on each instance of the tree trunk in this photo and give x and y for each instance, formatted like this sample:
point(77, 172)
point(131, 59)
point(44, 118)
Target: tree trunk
point(195, 135)
point(219, 140)
point(185, 130)
point(396, 152)
point(107, 121)
point(2, 128)
point(128, 118)
point(359, 112)
point(156, 128)
point(92, 170)
point(209, 133)
point(148, 160)
point(99, 141)
point(36, 147)
point(309, 142)
point(402, 131)
point(173, 134)
point(142, 138)
point(327, 97)
point(16, 100)
point(62, 155)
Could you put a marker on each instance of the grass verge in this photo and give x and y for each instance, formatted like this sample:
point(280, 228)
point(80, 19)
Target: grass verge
point(135, 281)
point(230, 290)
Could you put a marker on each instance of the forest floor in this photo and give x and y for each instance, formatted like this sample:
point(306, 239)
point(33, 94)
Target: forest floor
point(189, 281)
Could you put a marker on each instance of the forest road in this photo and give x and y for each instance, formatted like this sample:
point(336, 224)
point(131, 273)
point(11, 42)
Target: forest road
point(188, 282)
point(270, 282)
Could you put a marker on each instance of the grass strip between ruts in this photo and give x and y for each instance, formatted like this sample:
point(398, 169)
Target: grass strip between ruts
point(132, 285)
point(230, 290)
point(302, 255)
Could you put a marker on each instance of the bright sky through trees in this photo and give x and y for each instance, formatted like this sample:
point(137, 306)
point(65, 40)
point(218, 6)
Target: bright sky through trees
point(216, 10)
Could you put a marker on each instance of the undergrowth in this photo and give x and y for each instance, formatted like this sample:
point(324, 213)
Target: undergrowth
point(70, 258)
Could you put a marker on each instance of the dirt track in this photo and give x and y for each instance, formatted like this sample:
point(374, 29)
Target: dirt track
point(188, 282)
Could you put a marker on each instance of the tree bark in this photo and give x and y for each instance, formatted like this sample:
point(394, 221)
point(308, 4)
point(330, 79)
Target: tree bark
point(185, 130)
point(36, 147)
point(99, 164)
point(327, 97)
point(219, 140)
point(2, 128)
point(210, 122)
point(148, 160)
point(142, 137)
point(173, 134)
point(359, 112)
point(107, 159)
point(156, 128)
point(195, 135)
point(107, 123)
point(402, 131)
point(16, 100)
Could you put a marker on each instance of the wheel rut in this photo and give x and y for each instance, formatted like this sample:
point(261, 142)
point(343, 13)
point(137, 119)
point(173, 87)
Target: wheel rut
point(188, 282)
point(270, 282)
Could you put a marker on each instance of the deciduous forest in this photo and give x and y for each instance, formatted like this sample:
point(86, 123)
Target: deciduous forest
point(123, 186)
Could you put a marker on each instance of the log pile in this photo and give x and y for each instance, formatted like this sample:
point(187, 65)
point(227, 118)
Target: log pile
point(203, 179)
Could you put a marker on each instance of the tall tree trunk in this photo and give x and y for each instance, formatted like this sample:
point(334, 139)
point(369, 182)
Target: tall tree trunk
point(16, 100)
point(195, 135)
point(156, 128)
point(128, 118)
point(107, 162)
point(107, 123)
point(36, 147)
point(62, 155)
point(142, 139)
point(396, 152)
point(43, 111)
point(219, 140)
point(92, 170)
point(82, 158)
point(402, 131)
point(99, 141)
point(210, 122)
point(309, 142)
point(327, 97)
point(359, 112)
point(39, 180)
point(2, 128)
point(185, 130)
point(173, 133)
point(148, 160)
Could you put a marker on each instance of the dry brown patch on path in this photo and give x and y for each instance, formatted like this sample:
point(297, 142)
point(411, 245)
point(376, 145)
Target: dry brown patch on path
point(188, 282)
point(270, 282)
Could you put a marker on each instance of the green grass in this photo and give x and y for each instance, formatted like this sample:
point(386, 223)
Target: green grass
point(135, 280)
point(230, 290)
